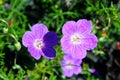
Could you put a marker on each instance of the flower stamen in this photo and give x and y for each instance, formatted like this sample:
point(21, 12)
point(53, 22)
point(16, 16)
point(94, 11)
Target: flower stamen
point(75, 38)
point(38, 44)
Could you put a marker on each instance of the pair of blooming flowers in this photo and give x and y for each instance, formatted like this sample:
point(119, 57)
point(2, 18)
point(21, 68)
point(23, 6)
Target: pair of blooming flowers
point(77, 39)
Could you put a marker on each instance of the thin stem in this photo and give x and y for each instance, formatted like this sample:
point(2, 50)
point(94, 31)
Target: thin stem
point(13, 37)
point(15, 58)
point(2, 20)
point(9, 34)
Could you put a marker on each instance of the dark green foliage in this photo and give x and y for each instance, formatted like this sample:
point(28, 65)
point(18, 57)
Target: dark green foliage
point(16, 62)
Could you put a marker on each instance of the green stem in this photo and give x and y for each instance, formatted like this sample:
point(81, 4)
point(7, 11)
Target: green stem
point(15, 59)
point(11, 35)
point(2, 20)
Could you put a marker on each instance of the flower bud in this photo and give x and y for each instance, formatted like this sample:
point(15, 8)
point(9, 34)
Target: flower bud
point(17, 46)
point(5, 30)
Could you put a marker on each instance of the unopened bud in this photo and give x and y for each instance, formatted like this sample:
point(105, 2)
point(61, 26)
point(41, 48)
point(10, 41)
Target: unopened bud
point(5, 30)
point(17, 46)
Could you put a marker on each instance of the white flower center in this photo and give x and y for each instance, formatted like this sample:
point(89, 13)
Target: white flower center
point(75, 38)
point(38, 44)
point(69, 65)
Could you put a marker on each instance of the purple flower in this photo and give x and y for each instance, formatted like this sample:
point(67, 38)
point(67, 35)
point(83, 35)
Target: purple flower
point(7, 6)
point(40, 42)
point(71, 65)
point(77, 38)
point(94, 72)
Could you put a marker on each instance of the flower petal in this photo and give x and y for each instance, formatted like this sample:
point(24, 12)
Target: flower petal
point(77, 62)
point(27, 39)
point(39, 30)
point(77, 70)
point(65, 43)
point(67, 72)
point(48, 52)
point(89, 41)
point(50, 39)
point(34, 53)
point(68, 27)
point(78, 52)
point(83, 26)
point(63, 63)
point(67, 57)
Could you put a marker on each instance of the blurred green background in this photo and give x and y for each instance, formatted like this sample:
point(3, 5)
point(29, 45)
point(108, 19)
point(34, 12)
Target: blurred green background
point(17, 17)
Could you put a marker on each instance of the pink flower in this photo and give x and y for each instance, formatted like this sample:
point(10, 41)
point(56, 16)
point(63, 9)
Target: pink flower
point(77, 38)
point(71, 66)
point(40, 42)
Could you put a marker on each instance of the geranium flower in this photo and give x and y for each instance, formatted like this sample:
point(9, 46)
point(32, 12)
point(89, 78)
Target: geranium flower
point(77, 38)
point(40, 42)
point(7, 6)
point(71, 65)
